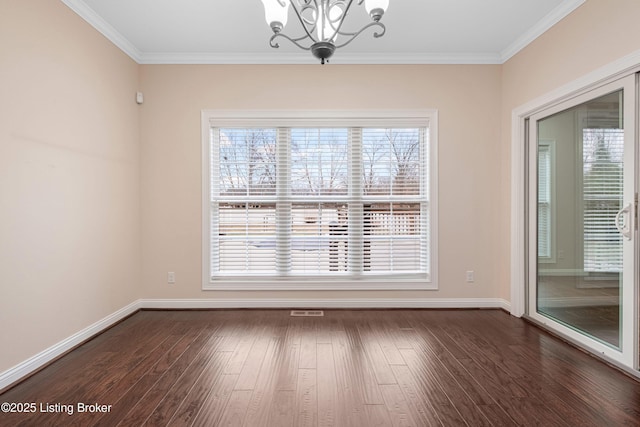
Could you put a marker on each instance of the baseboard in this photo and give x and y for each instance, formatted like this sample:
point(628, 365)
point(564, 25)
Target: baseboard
point(31, 365)
point(34, 363)
point(325, 303)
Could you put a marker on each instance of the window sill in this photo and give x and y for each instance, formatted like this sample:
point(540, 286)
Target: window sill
point(302, 284)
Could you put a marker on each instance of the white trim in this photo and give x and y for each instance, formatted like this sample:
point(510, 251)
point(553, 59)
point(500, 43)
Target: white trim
point(325, 303)
point(518, 226)
point(611, 71)
point(299, 283)
point(303, 57)
point(205, 127)
point(104, 28)
point(434, 201)
point(552, 18)
point(302, 117)
point(32, 364)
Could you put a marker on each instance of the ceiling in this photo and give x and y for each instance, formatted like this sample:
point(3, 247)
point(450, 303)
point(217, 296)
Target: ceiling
point(235, 32)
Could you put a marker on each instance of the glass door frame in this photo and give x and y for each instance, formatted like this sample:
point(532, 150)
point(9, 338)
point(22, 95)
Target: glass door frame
point(628, 353)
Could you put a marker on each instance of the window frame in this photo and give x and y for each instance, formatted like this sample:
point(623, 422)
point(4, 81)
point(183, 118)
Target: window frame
point(427, 119)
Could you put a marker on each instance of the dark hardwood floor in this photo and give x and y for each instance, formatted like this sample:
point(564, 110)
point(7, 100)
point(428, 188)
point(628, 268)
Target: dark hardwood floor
point(348, 368)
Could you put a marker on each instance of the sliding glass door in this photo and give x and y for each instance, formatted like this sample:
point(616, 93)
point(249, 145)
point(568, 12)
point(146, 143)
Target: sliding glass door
point(582, 227)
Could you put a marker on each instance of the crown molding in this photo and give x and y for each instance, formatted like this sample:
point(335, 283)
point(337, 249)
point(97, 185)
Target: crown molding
point(555, 16)
point(277, 58)
point(408, 58)
point(104, 28)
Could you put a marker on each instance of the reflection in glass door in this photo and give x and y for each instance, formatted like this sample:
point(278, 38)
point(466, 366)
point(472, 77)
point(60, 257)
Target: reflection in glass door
point(581, 197)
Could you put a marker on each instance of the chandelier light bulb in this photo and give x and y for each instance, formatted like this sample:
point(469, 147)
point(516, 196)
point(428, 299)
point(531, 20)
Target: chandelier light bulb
point(376, 8)
point(276, 13)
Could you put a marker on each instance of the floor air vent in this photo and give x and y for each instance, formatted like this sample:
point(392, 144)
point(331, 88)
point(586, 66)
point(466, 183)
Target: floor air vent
point(309, 313)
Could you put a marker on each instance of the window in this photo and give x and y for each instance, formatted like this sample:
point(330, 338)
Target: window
point(602, 192)
point(546, 193)
point(323, 203)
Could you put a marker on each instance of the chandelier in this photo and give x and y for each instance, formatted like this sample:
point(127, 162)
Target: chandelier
point(322, 22)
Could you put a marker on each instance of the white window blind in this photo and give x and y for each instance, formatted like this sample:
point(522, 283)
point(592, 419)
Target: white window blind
point(602, 194)
point(319, 202)
point(395, 206)
point(544, 200)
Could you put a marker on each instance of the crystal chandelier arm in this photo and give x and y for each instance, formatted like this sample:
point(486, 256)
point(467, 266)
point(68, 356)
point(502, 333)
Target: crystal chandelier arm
point(354, 35)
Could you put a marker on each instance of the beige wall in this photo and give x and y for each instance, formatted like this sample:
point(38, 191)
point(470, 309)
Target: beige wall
point(467, 98)
point(69, 178)
point(594, 35)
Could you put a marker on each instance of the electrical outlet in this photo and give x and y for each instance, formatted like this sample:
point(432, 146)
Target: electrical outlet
point(171, 278)
point(470, 276)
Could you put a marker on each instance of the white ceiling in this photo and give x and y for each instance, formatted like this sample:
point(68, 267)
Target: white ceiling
point(234, 31)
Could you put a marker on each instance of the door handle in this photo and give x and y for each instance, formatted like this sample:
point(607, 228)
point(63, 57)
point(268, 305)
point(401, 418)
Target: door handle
point(625, 229)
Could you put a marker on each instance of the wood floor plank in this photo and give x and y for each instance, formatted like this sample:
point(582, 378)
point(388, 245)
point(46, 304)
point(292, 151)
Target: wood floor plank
point(308, 345)
point(265, 388)
point(388, 336)
point(399, 328)
point(423, 411)
point(236, 408)
point(240, 354)
point(327, 387)
point(190, 406)
point(522, 371)
point(206, 359)
point(442, 389)
point(377, 358)
point(428, 343)
point(348, 363)
point(132, 396)
point(354, 366)
point(496, 415)
point(214, 406)
point(149, 401)
point(282, 413)
point(349, 368)
point(116, 389)
point(377, 415)
point(306, 405)
point(288, 358)
point(399, 412)
point(251, 367)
